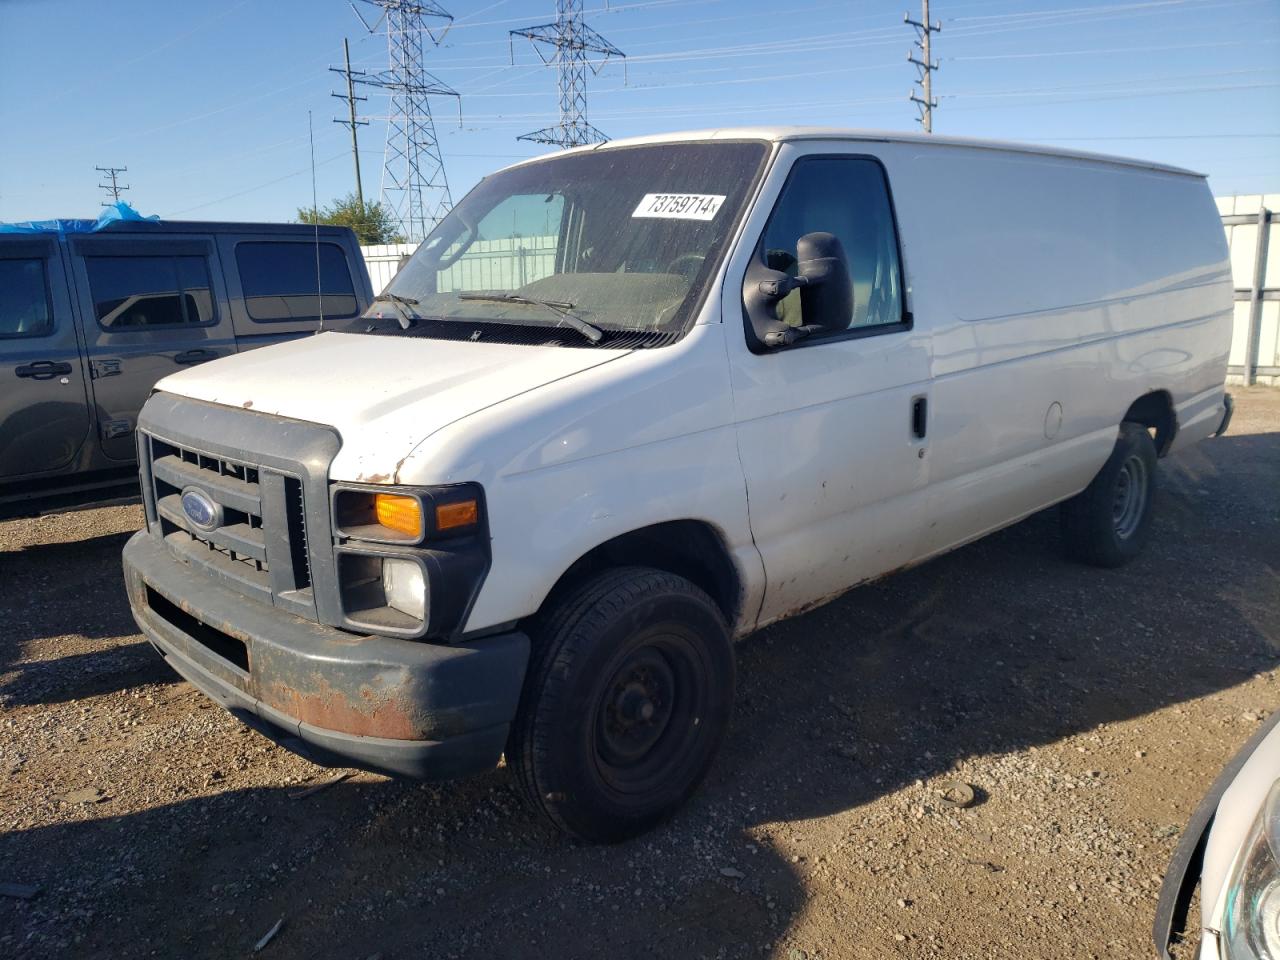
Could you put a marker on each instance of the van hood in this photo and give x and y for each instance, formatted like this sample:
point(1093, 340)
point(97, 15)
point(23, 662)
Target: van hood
point(384, 395)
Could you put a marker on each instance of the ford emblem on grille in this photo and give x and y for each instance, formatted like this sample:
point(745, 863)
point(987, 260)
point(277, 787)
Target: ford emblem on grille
point(200, 510)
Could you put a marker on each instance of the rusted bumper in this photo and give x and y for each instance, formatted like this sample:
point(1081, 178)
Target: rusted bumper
point(404, 707)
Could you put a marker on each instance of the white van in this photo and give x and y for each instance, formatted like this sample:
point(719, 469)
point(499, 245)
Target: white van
point(630, 402)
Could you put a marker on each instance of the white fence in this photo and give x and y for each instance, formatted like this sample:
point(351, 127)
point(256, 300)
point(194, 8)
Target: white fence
point(384, 261)
point(1248, 220)
point(488, 265)
point(1252, 232)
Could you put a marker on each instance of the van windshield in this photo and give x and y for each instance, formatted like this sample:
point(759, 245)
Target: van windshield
point(608, 247)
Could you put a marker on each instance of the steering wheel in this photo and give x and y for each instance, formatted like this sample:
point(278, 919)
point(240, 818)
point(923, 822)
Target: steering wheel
point(687, 264)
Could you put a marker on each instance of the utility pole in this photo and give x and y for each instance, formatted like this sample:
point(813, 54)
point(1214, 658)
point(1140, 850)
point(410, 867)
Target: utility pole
point(114, 187)
point(570, 40)
point(925, 65)
point(415, 190)
point(352, 120)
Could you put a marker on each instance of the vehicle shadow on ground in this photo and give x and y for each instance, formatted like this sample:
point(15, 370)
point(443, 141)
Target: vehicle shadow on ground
point(70, 588)
point(997, 647)
point(81, 675)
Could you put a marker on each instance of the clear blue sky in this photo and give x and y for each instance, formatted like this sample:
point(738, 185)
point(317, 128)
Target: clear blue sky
point(206, 103)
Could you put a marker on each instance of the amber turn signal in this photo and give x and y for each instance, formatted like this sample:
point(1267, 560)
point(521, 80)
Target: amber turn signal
point(451, 516)
point(401, 514)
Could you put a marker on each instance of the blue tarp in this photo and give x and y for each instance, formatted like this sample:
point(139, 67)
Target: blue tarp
point(115, 213)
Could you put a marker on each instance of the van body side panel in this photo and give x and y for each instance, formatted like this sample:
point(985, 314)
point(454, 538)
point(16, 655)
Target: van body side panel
point(644, 439)
point(1058, 291)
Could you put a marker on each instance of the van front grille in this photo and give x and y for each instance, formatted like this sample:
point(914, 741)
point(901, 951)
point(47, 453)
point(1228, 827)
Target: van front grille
point(258, 538)
point(233, 487)
point(257, 511)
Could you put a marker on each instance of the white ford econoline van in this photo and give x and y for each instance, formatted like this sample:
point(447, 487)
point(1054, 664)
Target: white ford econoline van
point(631, 401)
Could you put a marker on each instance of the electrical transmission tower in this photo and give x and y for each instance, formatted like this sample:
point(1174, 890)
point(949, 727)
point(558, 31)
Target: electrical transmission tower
point(415, 190)
point(352, 120)
point(115, 188)
point(925, 66)
point(570, 40)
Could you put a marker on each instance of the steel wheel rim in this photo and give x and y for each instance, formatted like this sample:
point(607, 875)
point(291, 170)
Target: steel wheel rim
point(1130, 501)
point(677, 688)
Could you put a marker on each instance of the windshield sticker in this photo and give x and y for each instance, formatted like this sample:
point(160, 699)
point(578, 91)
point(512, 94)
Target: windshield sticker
point(679, 206)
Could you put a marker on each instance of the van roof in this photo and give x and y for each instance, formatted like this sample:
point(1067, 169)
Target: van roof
point(783, 134)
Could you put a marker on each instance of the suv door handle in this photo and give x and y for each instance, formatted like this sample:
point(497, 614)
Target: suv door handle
point(199, 355)
point(43, 370)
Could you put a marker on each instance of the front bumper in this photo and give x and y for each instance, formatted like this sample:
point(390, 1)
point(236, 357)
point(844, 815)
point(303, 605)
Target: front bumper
point(402, 707)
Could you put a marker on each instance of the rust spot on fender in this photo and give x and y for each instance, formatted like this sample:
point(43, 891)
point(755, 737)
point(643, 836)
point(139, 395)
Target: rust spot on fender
point(247, 404)
point(373, 478)
point(366, 712)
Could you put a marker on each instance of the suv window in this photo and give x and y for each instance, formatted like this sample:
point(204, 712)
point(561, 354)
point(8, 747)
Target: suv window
point(279, 281)
point(24, 299)
point(150, 291)
point(848, 197)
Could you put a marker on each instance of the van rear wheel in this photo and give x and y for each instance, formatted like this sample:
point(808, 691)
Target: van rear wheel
point(1107, 524)
point(625, 704)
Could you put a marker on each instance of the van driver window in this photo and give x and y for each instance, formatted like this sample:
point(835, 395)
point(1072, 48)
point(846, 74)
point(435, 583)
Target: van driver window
point(846, 197)
point(24, 299)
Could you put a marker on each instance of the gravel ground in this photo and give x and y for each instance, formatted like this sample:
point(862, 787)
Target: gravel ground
point(1089, 709)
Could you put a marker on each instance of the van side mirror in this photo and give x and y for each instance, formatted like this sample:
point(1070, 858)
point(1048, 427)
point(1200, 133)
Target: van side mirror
point(826, 291)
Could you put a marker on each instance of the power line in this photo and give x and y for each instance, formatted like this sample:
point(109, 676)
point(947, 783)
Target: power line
point(415, 189)
point(605, 9)
point(114, 187)
point(1093, 51)
point(792, 107)
point(1165, 136)
point(925, 65)
point(260, 186)
point(1040, 14)
point(571, 40)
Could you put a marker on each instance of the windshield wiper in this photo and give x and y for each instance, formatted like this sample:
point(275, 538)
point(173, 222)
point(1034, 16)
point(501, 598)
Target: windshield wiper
point(406, 318)
point(561, 307)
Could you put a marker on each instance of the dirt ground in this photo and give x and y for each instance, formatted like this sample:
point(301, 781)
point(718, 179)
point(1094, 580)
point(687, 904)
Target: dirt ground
point(1090, 709)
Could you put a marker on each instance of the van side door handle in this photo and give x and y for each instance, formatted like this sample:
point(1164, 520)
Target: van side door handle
point(43, 369)
point(919, 417)
point(198, 355)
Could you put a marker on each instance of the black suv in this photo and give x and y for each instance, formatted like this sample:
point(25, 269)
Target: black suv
point(90, 321)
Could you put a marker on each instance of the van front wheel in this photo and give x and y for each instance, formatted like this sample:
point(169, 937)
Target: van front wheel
point(627, 698)
point(1107, 524)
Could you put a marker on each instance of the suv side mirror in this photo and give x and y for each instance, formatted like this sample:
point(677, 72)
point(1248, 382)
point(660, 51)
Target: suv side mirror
point(826, 291)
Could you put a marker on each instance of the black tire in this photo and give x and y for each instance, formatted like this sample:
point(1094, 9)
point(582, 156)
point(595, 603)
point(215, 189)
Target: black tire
point(1107, 524)
point(625, 703)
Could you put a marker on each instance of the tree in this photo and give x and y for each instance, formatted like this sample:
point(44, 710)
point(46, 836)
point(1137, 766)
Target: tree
point(372, 222)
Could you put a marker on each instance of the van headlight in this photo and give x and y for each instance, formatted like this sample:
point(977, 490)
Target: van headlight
point(404, 587)
point(1251, 924)
point(410, 560)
